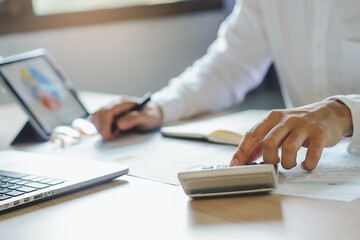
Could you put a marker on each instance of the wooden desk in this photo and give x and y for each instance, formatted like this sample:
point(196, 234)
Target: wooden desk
point(133, 208)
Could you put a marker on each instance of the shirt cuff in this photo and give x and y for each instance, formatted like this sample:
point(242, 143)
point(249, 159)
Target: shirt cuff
point(352, 101)
point(170, 106)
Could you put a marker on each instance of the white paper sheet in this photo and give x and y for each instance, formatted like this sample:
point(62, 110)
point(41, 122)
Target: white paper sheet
point(336, 177)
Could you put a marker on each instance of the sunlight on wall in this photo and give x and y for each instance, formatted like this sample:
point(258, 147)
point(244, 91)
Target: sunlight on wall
point(48, 7)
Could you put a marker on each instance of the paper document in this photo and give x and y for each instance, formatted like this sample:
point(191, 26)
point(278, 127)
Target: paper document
point(336, 177)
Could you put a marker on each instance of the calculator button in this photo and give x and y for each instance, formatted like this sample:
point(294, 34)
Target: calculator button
point(207, 167)
point(255, 163)
point(222, 166)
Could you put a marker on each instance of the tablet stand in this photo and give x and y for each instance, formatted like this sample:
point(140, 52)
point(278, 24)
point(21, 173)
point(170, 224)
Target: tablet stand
point(27, 134)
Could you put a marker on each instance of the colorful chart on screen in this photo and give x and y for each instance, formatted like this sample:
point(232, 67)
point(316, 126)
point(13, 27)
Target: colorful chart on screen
point(41, 88)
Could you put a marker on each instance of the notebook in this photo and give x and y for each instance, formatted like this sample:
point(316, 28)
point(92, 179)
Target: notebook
point(228, 129)
point(26, 178)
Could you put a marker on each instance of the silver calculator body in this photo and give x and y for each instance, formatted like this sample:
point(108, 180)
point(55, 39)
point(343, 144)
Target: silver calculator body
point(221, 180)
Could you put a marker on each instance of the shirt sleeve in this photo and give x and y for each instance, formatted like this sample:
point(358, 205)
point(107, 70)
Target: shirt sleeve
point(352, 101)
point(234, 64)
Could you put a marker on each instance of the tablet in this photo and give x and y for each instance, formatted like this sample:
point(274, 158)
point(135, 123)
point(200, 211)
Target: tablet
point(42, 90)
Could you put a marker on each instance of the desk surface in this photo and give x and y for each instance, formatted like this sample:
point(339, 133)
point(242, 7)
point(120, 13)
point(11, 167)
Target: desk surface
point(134, 208)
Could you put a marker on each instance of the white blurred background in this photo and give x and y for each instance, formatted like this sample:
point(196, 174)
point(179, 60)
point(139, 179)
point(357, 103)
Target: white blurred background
point(124, 57)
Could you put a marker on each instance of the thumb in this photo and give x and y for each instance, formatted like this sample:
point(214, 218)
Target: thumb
point(130, 121)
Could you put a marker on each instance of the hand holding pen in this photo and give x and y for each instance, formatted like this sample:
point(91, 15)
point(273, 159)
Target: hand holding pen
point(138, 107)
point(130, 113)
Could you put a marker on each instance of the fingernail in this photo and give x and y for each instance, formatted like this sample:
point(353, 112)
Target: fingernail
point(234, 162)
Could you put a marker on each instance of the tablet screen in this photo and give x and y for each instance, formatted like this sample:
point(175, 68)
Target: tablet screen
point(42, 92)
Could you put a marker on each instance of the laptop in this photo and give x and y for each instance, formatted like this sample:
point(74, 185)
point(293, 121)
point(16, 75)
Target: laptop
point(26, 178)
point(47, 97)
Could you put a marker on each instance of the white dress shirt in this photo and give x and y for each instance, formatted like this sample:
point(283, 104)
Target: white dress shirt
point(315, 46)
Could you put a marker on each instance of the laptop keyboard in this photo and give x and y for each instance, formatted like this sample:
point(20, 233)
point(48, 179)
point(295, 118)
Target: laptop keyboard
point(13, 184)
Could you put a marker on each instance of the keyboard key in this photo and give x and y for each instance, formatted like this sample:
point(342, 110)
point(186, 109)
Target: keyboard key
point(47, 180)
point(36, 185)
point(12, 174)
point(26, 189)
point(16, 180)
point(7, 179)
point(6, 185)
point(38, 179)
point(29, 177)
point(4, 190)
point(23, 182)
point(14, 187)
point(14, 193)
point(4, 197)
point(55, 182)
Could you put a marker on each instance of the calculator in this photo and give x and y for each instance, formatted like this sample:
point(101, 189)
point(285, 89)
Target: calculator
point(222, 180)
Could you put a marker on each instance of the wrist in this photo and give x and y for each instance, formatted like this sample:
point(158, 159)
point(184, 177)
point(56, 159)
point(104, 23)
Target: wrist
point(158, 114)
point(161, 113)
point(344, 114)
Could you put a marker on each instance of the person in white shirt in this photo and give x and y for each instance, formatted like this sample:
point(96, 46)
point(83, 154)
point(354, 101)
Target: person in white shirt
point(315, 46)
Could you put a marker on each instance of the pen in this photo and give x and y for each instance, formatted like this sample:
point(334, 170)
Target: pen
point(140, 105)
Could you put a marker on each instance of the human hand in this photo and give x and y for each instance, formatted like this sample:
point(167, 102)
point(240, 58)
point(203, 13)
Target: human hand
point(313, 126)
point(147, 119)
